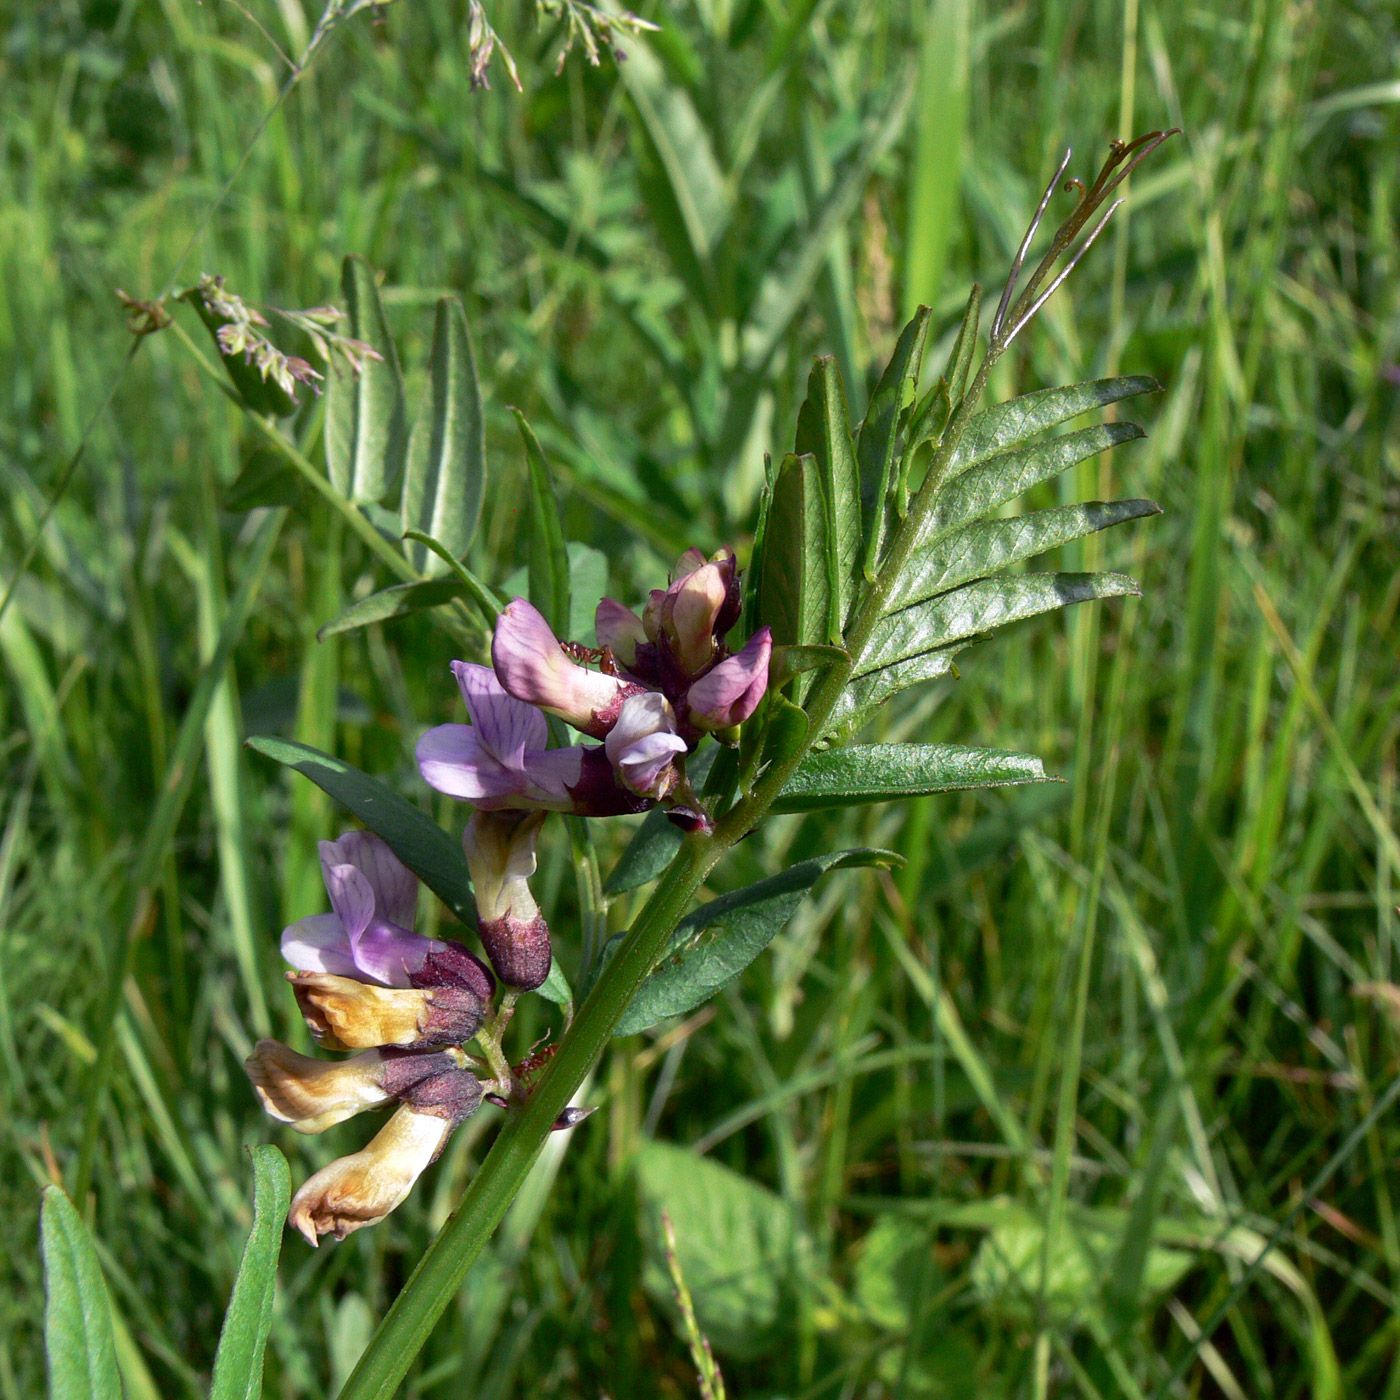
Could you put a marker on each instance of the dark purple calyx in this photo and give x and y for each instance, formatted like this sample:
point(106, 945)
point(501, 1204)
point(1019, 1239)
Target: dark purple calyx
point(518, 948)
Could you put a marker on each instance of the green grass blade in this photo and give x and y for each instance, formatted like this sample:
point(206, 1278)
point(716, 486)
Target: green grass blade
point(549, 555)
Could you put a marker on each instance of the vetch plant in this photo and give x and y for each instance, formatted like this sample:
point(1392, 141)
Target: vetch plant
point(727, 695)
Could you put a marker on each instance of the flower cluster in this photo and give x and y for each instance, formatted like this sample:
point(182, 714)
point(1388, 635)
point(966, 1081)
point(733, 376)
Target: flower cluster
point(407, 1004)
point(366, 982)
point(655, 685)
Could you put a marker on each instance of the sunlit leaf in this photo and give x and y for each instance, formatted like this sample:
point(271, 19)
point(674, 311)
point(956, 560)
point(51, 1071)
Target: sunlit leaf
point(445, 476)
point(398, 600)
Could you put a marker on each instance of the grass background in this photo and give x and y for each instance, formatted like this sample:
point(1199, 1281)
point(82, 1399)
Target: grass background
point(1015, 1118)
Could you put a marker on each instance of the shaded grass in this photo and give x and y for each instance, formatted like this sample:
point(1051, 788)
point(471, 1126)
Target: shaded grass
point(1203, 900)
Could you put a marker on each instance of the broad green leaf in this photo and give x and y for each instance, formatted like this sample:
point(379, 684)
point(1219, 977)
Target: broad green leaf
point(238, 1363)
point(82, 1357)
point(398, 600)
point(796, 599)
point(696, 966)
point(981, 607)
point(261, 395)
point(1017, 420)
point(415, 838)
point(549, 555)
point(877, 447)
point(992, 545)
point(445, 476)
point(996, 480)
point(656, 840)
point(785, 291)
point(824, 431)
point(737, 1242)
point(556, 987)
point(366, 424)
point(879, 772)
point(694, 181)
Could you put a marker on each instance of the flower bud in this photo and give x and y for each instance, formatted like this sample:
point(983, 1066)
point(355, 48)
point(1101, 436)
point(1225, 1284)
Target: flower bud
point(312, 1095)
point(500, 848)
point(344, 1014)
point(688, 616)
point(730, 693)
point(363, 1188)
point(533, 667)
point(643, 745)
point(619, 629)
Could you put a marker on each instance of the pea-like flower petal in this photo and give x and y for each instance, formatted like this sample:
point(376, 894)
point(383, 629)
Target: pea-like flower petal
point(730, 693)
point(313, 1095)
point(643, 745)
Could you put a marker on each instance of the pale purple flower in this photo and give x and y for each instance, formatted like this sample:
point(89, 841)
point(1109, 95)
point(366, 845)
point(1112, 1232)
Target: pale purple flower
point(499, 760)
point(533, 667)
point(643, 745)
point(730, 693)
point(619, 629)
point(368, 937)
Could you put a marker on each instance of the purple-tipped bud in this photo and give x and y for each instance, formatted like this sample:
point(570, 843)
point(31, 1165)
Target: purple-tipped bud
point(643, 745)
point(500, 849)
point(688, 616)
point(730, 693)
point(619, 629)
point(533, 667)
point(571, 1117)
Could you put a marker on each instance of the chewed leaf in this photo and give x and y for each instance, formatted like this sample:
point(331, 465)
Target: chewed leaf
point(980, 607)
point(745, 923)
point(415, 838)
point(1018, 420)
point(879, 772)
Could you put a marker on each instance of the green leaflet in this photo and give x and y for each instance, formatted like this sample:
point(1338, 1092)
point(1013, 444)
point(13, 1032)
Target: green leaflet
point(796, 598)
point(238, 1364)
point(416, 839)
point(824, 432)
point(993, 545)
point(445, 476)
point(398, 600)
point(981, 607)
point(1017, 420)
point(78, 1336)
point(864, 695)
point(366, 425)
point(747, 921)
point(556, 987)
point(992, 482)
point(549, 555)
point(877, 447)
point(879, 772)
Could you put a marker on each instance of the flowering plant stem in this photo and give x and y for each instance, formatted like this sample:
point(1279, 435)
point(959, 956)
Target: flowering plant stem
point(443, 1268)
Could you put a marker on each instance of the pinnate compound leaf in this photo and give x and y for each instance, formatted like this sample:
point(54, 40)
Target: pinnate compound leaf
point(877, 447)
point(398, 600)
point(445, 476)
point(866, 694)
point(238, 1364)
point(415, 838)
point(366, 421)
point(796, 595)
point(78, 1337)
point(824, 431)
point(744, 924)
point(1018, 420)
point(879, 772)
point(549, 555)
point(981, 607)
point(993, 545)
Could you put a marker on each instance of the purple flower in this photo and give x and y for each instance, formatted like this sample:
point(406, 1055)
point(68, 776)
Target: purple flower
point(643, 745)
point(374, 897)
point(619, 629)
point(730, 693)
point(533, 667)
point(499, 760)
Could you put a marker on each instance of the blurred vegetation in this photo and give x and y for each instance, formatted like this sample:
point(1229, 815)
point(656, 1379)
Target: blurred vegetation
point(904, 1177)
